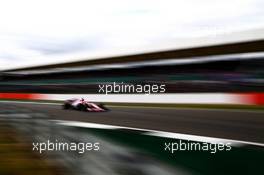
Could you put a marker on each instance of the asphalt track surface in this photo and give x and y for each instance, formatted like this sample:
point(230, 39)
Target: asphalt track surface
point(229, 124)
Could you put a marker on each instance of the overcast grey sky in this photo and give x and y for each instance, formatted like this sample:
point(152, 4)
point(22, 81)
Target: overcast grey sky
point(36, 32)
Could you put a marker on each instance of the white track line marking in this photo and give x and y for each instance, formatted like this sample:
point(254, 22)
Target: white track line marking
point(84, 124)
point(202, 138)
point(160, 133)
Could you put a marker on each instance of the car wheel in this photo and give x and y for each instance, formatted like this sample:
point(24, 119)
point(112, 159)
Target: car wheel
point(66, 106)
point(81, 107)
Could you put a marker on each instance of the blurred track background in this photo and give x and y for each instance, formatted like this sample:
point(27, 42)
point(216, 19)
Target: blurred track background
point(225, 82)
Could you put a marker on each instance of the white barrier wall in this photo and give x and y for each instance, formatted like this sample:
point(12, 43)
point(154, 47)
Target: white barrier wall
point(157, 98)
point(184, 98)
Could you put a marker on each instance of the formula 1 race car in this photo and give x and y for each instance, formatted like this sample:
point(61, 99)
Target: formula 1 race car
point(82, 105)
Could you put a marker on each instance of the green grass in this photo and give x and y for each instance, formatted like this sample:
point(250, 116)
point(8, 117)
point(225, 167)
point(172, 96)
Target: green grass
point(17, 157)
point(239, 160)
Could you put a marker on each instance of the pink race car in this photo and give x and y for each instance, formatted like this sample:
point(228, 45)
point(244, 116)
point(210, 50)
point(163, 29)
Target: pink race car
point(82, 105)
